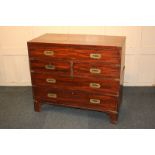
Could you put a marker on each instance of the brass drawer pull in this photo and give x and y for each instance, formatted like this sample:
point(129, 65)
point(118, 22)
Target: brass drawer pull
point(95, 101)
point(94, 85)
point(51, 80)
point(52, 67)
point(49, 53)
point(95, 70)
point(95, 56)
point(52, 95)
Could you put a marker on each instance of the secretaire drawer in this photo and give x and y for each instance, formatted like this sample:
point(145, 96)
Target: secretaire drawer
point(43, 66)
point(96, 70)
point(75, 98)
point(75, 53)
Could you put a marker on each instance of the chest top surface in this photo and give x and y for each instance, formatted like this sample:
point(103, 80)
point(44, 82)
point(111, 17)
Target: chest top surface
point(80, 39)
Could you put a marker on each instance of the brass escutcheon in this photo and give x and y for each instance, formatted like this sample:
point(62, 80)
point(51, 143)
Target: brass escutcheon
point(94, 85)
point(51, 80)
point(52, 67)
point(52, 95)
point(95, 56)
point(95, 70)
point(95, 101)
point(49, 53)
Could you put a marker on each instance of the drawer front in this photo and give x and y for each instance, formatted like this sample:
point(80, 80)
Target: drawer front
point(87, 85)
point(52, 80)
point(76, 99)
point(75, 53)
point(96, 70)
point(50, 52)
point(96, 86)
point(94, 55)
point(41, 66)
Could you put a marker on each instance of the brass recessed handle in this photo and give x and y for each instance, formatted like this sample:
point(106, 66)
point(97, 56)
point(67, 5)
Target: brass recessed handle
point(51, 67)
point(95, 101)
point(51, 80)
point(52, 95)
point(49, 53)
point(95, 56)
point(94, 85)
point(95, 70)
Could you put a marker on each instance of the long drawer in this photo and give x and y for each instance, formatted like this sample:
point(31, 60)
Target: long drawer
point(88, 85)
point(75, 98)
point(111, 56)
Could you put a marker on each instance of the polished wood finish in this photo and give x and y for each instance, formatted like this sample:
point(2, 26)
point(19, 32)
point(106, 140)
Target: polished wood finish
point(42, 66)
point(81, 39)
point(107, 86)
point(75, 98)
point(83, 53)
point(96, 70)
point(81, 71)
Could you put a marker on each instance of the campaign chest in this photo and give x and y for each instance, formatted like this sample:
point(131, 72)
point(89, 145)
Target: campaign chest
point(80, 71)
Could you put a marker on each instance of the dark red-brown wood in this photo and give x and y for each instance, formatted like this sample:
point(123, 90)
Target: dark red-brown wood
point(111, 56)
point(106, 71)
point(71, 74)
point(108, 86)
point(61, 67)
point(76, 98)
point(107, 55)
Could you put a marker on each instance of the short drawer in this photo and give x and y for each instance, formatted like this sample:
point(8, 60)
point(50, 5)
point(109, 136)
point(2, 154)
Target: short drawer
point(110, 56)
point(76, 99)
point(43, 66)
point(96, 70)
point(52, 80)
point(50, 52)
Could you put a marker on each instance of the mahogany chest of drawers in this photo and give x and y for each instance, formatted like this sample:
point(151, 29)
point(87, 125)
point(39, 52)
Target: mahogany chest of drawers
point(81, 71)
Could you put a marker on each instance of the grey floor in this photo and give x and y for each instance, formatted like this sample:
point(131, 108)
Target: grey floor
point(16, 112)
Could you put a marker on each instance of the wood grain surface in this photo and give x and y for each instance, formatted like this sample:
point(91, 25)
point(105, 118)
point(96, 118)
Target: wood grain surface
point(81, 71)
